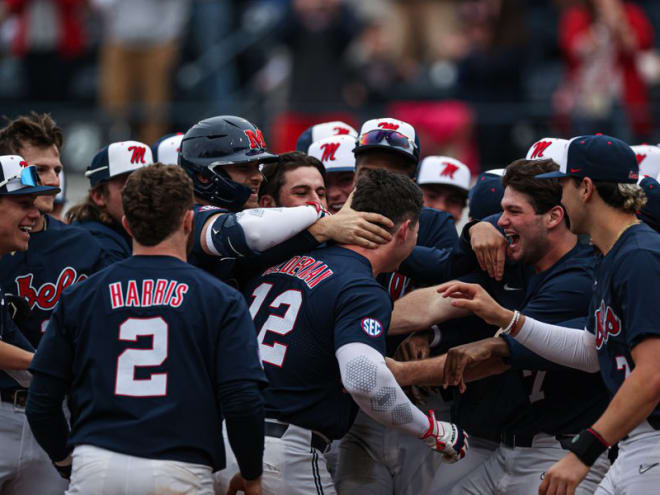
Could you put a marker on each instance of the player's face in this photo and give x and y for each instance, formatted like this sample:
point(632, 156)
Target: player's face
point(339, 187)
point(445, 198)
point(573, 206)
point(301, 185)
point(385, 160)
point(18, 215)
point(113, 199)
point(249, 175)
point(47, 161)
point(523, 227)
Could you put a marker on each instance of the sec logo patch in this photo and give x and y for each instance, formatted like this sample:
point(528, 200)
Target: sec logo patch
point(372, 327)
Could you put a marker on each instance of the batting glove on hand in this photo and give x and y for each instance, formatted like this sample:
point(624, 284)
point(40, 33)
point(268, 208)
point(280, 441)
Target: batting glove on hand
point(447, 438)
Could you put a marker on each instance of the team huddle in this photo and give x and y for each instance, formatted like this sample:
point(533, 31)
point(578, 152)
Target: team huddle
point(217, 318)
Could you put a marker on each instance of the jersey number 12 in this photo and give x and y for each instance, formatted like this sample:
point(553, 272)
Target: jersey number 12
point(274, 354)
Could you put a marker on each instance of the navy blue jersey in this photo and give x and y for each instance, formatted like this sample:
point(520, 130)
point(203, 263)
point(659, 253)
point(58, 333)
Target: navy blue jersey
point(537, 396)
point(12, 335)
point(58, 256)
point(437, 234)
point(304, 310)
point(115, 241)
point(144, 345)
point(624, 309)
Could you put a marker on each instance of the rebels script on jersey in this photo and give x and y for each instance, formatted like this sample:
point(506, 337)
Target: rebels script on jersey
point(58, 256)
point(624, 308)
point(304, 310)
point(153, 337)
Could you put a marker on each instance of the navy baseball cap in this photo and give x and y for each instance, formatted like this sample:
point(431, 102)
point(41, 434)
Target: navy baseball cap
point(322, 131)
point(598, 157)
point(116, 159)
point(650, 214)
point(17, 178)
point(166, 149)
point(485, 197)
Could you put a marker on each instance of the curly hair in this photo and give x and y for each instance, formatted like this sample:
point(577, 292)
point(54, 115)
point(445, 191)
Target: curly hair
point(88, 211)
point(155, 199)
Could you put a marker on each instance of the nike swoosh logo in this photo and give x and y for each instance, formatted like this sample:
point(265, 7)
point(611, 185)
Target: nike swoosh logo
point(215, 232)
point(645, 467)
point(507, 287)
point(576, 170)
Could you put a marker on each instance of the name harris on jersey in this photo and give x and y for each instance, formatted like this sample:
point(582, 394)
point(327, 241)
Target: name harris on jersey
point(305, 268)
point(161, 292)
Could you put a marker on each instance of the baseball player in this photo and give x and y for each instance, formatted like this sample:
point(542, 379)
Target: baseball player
point(222, 156)
point(19, 186)
point(137, 344)
point(101, 211)
point(445, 183)
point(58, 256)
point(373, 458)
point(531, 409)
point(336, 154)
point(322, 131)
point(295, 180)
point(598, 176)
point(166, 149)
point(322, 319)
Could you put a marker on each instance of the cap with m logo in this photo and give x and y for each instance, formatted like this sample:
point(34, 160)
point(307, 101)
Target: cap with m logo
point(548, 149)
point(648, 160)
point(322, 131)
point(335, 152)
point(444, 170)
point(116, 159)
point(17, 178)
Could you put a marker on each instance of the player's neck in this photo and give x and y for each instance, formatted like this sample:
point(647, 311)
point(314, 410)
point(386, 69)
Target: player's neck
point(376, 257)
point(40, 223)
point(607, 225)
point(168, 247)
point(559, 243)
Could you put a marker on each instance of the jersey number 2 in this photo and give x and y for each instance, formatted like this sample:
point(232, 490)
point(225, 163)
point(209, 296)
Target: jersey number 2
point(125, 381)
point(274, 354)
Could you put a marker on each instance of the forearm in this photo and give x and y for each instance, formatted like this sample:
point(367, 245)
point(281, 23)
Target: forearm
point(372, 386)
point(243, 410)
point(420, 309)
point(631, 405)
point(14, 358)
point(424, 372)
point(45, 416)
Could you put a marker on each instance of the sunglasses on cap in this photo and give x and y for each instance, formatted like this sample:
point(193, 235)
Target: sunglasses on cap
point(28, 177)
point(393, 138)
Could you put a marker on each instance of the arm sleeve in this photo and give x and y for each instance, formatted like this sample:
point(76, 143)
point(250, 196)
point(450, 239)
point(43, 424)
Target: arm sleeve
point(256, 230)
point(372, 386)
point(565, 346)
point(243, 409)
point(45, 415)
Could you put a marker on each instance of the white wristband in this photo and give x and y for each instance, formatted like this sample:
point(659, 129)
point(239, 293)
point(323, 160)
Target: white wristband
point(512, 324)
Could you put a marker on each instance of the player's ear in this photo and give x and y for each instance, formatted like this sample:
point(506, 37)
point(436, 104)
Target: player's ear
point(188, 222)
point(98, 196)
point(267, 201)
point(124, 222)
point(403, 231)
point(586, 189)
point(555, 216)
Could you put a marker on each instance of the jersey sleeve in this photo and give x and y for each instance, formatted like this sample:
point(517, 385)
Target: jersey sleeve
point(237, 354)
point(363, 315)
point(54, 357)
point(436, 229)
point(638, 288)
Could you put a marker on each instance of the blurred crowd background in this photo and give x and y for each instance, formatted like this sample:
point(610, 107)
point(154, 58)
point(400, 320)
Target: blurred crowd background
point(479, 79)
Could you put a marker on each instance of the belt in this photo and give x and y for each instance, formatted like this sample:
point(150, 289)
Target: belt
point(17, 398)
point(513, 440)
point(277, 430)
